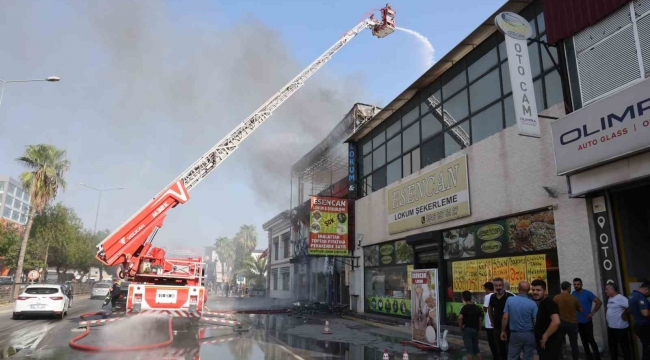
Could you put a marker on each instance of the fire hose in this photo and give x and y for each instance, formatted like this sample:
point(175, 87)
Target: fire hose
point(73, 342)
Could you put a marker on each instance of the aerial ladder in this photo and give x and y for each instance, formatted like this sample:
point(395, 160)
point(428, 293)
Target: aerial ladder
point(175, 286)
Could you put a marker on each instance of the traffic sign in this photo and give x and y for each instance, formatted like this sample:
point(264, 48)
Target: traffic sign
point(33, 275)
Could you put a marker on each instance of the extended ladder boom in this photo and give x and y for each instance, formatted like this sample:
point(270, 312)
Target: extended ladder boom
point(133, 237)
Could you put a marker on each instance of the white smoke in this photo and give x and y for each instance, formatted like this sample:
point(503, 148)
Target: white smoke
point(428, 52)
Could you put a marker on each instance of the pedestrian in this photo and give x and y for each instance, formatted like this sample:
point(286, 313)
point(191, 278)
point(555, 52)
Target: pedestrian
point(489, 329)
point(640, 310)
point(115, 293)
point(547, 323)
point(495, 311)
point(469, 321)
point(569, 307)
point(617, 313)
point(585, 323)
point(519, 314)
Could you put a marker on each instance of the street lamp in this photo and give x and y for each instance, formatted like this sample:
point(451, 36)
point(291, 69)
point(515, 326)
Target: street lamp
point(5, 82)
point(100, 200)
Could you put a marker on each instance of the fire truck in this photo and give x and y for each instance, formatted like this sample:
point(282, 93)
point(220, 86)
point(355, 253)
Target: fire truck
point(174, 286)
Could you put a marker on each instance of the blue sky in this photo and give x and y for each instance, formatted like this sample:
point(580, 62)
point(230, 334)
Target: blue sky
point(147, 88)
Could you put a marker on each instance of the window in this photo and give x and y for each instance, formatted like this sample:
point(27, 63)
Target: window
point(15, 216)
point(2, 186)
point(274, 275)
point(6, 213)
point(487, 123)
point(378, 136)
point(411, 137)
point(482, 65)
point(25, 208)
point(393, 127)
point(9, 201)
point(509, 106)
point(553, 88)
point(379, 157)
point(410, 116)
point(456, 107)
point(19, 193)
point(432, 151)
point(366, 166)
point(12, 188)
point(23, 219)
point(379, 179)
point(17, 204)
point(485, 91)
point(276, 249)
point(454, 80)
point(394, 148)
point(286, 276)
point(457, 138)
point(411, 162)
point(430, 126)
point(394, 171)
point(285, 245)
point(505, 78)
point(366, 145)
point(26, 196)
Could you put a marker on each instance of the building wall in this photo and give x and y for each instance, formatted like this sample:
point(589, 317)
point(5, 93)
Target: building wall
point(506, 175)
point(276, 231)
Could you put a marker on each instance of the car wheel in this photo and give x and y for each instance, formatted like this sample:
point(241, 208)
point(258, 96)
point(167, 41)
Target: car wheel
point(15, 317)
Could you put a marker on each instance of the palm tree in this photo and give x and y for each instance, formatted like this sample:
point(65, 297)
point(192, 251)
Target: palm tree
point(255, 270)
point(47, 165)
point(246, 241)
point(226, 252)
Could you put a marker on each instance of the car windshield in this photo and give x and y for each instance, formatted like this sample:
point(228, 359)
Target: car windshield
point(102, 286)
point(41, 291)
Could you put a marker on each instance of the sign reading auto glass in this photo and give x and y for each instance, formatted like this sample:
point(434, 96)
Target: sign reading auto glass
point(517, 31)
point(328, 229)
point(440, 195)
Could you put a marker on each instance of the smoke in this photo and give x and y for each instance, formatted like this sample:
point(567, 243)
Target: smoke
point(428, 52)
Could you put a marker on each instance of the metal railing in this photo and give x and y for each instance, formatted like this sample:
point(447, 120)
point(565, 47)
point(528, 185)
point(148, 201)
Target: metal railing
point(7, 290)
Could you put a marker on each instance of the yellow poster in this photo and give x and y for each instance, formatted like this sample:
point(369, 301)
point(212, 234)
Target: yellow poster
point(500, 268)
point(516, 271)
point(483, 272)
point(471, 273)
point(459, 276)
point(536, 267)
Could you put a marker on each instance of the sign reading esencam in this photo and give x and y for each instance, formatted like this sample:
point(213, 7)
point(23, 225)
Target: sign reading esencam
point(439, 195)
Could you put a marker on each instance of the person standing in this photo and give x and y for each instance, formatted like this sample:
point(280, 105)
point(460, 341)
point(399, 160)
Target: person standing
point(569, 306)
point(115, 293)
point(489, 290)
point(469, 321)
point(617, 325)
point(547, 323)
point(640, 310)
point(519, 314)
point(585, 323)
point(495, 312)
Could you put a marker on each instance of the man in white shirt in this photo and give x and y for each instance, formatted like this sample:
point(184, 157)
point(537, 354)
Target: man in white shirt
point(489, 290)
point(617, 323)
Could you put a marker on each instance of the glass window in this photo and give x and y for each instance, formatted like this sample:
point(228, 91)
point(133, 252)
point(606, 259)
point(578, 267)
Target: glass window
point(509, 107)
point(533, 52)
point(7, 213)
point(539, 95)
point(411, 137)
point(366, 166)
point(378, 136)
point(432, 151)
point(17, 204)
point(366, 145)
point(379, 157)
point(431, 102)
point(23, 219)
point(379, 179)
point(406, 165)
point(275, 281)
point(553, 89)
point(19, 193)
point(485, 90)
point(430, 126)
point(410, 116)
point(456, 107)
point(2, 186)
point(532, 26)
point(503, 53)
point(285, 281)
point(368, 185)
point(394, 148)
point(385, 289)
point(394, 171)
point(487, 123)
point(15, 216)
point(12, 188)
point(546, 60)
point(457, 138)
point(26, 197)
point(415, 160)
point(483, 64)
point(540, 23)
point(9, 201)
point(455, 84)
point(25, 208)
point(393, 127)
point(505, 78)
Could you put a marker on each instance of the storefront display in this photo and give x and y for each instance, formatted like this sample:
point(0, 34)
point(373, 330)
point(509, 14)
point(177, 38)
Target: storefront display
point(517, 248)
point(425, 320)
point(388, 269)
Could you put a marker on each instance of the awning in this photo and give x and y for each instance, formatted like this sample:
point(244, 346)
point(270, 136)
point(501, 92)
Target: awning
point(565, 18)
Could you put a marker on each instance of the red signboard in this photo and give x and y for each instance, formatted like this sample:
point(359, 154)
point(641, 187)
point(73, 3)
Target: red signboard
point(328, 226)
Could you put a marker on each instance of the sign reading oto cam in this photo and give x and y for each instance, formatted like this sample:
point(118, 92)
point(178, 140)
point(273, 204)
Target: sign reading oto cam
point(439, 195)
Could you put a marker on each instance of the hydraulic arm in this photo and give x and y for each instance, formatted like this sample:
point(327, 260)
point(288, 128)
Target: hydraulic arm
point(133, 238)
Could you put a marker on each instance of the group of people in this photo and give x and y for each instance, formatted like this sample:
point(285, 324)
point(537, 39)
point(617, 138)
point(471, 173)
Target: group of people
point(517, 324)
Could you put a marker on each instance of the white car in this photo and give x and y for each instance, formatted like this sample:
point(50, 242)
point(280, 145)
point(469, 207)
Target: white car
point(42, 299)
point(100, 290)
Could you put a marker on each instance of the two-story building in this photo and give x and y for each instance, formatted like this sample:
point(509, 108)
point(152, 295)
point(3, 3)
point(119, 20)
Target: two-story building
point(278, 260)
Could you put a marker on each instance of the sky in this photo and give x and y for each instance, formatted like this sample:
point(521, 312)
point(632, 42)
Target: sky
point(147, 87)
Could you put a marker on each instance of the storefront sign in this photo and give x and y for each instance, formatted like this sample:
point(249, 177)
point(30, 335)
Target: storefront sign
point(352, 170)
point(425, 307)
point(517, 31)
point(613, 127)
point(394, 252)
point(608, 273)
point(440, 195)
point(470, 275)
point(328, 229)
point(517, 234)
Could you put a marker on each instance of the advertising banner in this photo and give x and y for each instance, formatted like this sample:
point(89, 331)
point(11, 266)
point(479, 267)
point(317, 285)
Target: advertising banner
point(613, 127)
point(517, 31)
point(440, 195)
point(328, 229)
point(425, 312)
point(389, 306)
point(470, 275)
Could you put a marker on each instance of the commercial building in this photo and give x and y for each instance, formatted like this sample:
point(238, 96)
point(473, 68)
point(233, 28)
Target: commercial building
point(14, 200)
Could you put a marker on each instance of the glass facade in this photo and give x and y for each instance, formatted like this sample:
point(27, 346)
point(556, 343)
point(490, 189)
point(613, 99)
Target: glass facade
point(16, 202)
point(471, 101)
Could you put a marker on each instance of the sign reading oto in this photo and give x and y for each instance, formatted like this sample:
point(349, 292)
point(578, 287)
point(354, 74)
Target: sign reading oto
point(328, 229)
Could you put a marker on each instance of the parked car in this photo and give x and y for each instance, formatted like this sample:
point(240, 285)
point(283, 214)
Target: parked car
point(100, 290)
point(42, 299)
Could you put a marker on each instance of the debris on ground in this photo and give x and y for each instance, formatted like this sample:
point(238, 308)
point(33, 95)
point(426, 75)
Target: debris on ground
point(300, 309)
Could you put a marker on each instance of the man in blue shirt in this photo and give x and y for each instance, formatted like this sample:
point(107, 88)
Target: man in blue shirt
point(520, 313)
point(585, 325)
point(640, 310)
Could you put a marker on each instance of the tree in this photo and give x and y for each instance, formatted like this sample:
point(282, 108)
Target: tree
point(226, 252)
point(255, 270)
point(245, 243)
point(9, 237)
point(47, 166)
